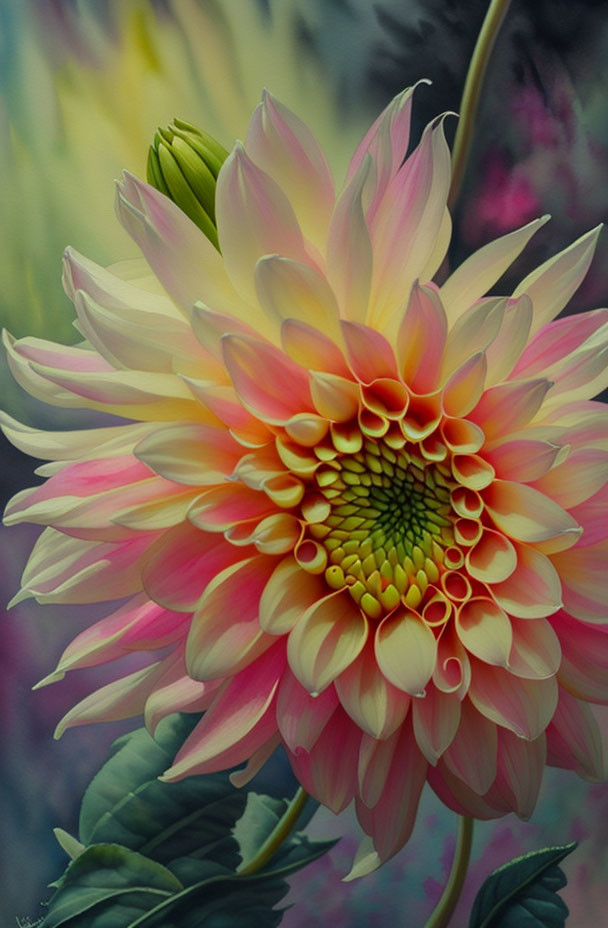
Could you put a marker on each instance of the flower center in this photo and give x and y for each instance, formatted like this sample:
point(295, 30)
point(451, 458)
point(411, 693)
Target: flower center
point(386, 524)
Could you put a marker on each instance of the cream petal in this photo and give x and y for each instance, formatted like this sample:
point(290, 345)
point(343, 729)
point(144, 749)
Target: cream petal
point(552, 284)
point(283, 147)
point(349, 250)
point(312, 349)
point(406, 225)
point(181, 256)
point(372, 702)
point(492, 558)
point(536, 652)
point(73, 444)
point(478, 274)
point(485, 630)
point(289, 289)
point(526, 514)
point(254, 218)
point(192, 454)
point(369, 354)
point(506, 349)
point(61, 569)
point(325, 640)
point(533, 590)
point(465, 386)
point(406, 651)
point(269, 384)
point(474, 331)
point(289, 593)
point(558, 339)
point(120, 699)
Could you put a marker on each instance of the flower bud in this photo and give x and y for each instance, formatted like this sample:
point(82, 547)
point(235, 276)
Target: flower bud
point(183, 163)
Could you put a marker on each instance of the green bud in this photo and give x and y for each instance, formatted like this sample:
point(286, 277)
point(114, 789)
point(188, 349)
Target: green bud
point(183, 163)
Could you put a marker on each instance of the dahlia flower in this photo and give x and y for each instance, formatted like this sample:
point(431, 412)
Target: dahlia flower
point(363, 514)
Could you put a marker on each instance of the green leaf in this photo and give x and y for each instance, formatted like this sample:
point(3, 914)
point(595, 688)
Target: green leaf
point(523, 893)
point(126, 803)
point(164, 855)
point(105, 873)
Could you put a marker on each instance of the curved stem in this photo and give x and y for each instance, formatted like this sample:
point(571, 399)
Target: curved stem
point(472, 92)
point(451, 894)
point(277, 835)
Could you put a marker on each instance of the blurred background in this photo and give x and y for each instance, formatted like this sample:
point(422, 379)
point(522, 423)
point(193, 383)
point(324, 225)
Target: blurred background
point(83, 85)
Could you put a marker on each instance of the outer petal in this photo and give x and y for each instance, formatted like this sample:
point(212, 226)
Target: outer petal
point(181, 256)
point(524, 706)
point(225, 634)
point(192, 453)
point(283, 147)
point(181, 563)
point(584, 667)
point(583, 574)
point(574, 740)
point(274, 398)
point(436, 719)
point(407, 223)
point(329, 771)
point(349, 251)
point(391, 821)
point(552, 284)
point(289, 289)
point(421, 340)
point(371, 701)
point(240, 719)
point(526, 514)
point(472, 754)
point(254, 218)
point(301, 717)
point(520, 771)
point(478, 274)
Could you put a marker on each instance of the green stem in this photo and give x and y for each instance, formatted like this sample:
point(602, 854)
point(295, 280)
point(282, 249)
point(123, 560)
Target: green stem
point(472, 92)
point(278, 835)
point(451, 894)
